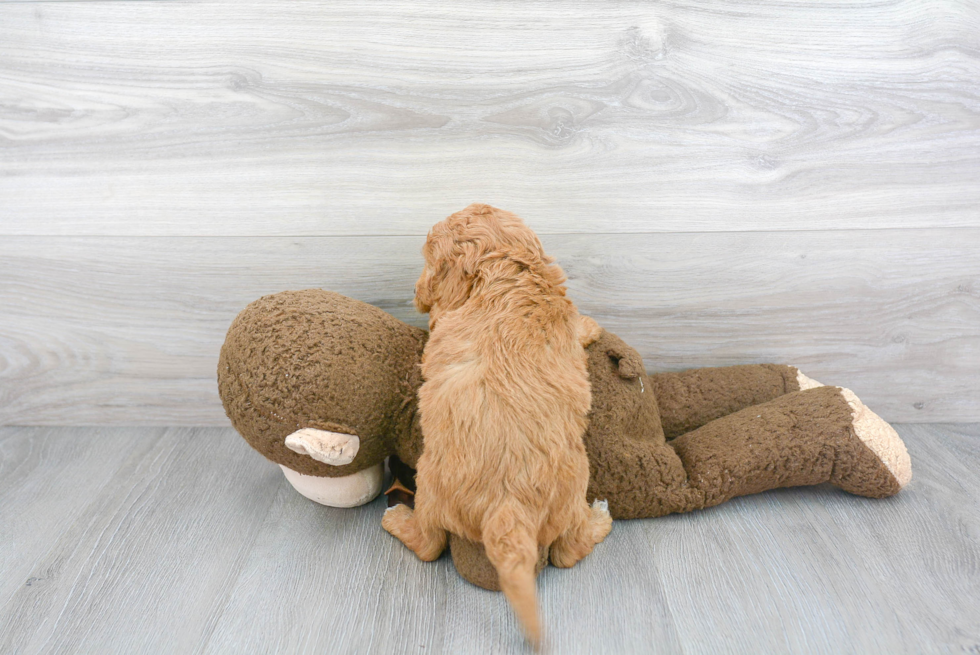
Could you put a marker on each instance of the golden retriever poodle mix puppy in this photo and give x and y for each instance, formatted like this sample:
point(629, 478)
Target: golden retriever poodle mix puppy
point(502, 407)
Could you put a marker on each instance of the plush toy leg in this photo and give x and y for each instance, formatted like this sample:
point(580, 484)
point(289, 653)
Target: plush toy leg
point(690, 399)
point(823, 434)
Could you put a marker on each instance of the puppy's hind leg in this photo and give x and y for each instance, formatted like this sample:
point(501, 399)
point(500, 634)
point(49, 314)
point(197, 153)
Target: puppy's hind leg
point(591, 525)
point(425, 540)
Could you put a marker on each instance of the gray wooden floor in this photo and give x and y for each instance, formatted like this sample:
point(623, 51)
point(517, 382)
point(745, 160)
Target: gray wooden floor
point(180, 540)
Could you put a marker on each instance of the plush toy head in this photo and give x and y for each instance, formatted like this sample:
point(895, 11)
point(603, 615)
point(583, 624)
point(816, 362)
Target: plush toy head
point(317, 359)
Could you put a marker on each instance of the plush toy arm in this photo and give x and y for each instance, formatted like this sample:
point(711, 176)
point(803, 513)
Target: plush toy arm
point(690, 399)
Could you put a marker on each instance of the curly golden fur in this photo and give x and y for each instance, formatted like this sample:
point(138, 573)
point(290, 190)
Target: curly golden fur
point(503, 406)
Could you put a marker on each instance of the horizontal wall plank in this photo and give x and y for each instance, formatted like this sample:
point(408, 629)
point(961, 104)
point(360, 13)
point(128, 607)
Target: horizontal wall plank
point(126, 330)
point(159, 118)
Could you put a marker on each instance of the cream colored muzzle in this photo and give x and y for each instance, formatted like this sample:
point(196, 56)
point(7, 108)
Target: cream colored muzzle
point(335, 449)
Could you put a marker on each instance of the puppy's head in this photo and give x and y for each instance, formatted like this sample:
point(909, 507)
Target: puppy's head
point(478, 243)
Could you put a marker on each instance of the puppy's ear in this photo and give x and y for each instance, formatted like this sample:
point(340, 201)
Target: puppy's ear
point(423, 293)
point(588, 331)
point(450, 269)
point(452, 285)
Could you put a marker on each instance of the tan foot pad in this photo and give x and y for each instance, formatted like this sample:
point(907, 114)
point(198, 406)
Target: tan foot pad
point(881, 438)
point(806, 382)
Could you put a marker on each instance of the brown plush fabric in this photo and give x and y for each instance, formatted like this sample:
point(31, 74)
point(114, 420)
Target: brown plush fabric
point(318, 359)
point(690, 399)
point(470, 560)
point(801, 438)
point(630, 464)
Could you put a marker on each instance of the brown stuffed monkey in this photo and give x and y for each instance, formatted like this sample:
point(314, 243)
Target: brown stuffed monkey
point(325, 386)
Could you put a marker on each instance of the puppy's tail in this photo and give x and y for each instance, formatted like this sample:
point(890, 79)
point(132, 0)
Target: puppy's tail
point(513, 550)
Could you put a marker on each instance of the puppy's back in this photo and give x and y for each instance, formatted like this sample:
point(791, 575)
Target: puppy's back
point(506, 395)
point(503, 409)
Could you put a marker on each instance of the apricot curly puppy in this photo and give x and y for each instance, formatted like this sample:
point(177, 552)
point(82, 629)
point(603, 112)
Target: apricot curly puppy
point(503, 406)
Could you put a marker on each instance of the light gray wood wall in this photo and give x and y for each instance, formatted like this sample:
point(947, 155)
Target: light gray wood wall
point(775, 181)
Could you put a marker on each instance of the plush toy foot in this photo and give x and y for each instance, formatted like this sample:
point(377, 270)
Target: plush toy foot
point(882, 440)
point(346, 491)
point(401, 523)
point(806, 382)
point(470, 560)
point(875, 433)
point(579, 540)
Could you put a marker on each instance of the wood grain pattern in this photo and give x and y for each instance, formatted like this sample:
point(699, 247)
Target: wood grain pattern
point(127, 330)
point(213, 118)
point(834, 573)
point(47, 480)
point(197, 545)
point(148, 562)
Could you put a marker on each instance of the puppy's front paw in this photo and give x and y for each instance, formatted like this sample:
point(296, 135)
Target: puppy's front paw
point(601, 520)
point(589, 331)
point(395, 520)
